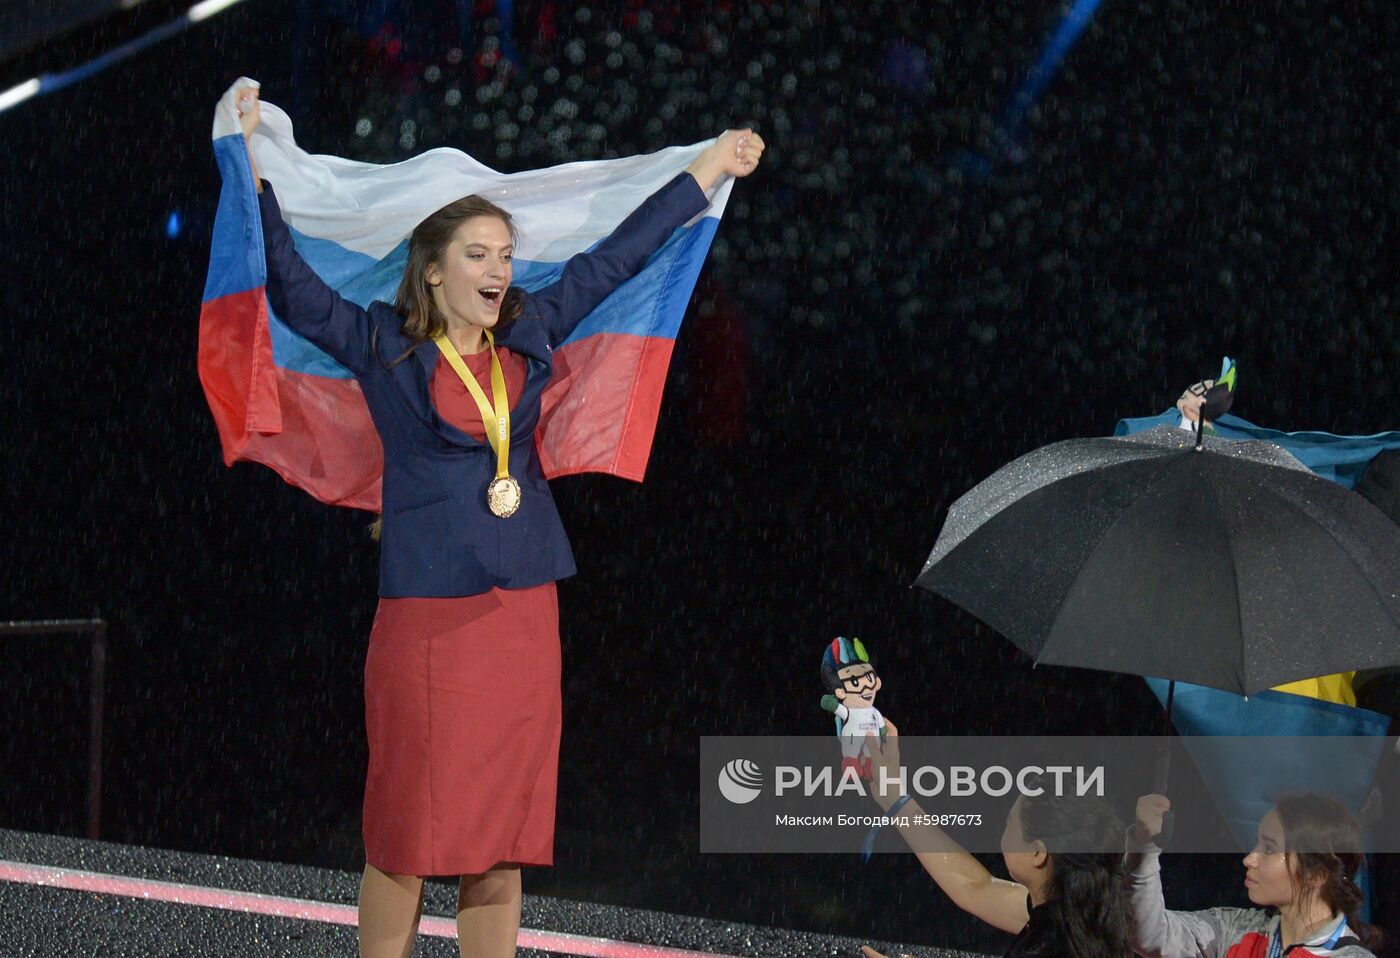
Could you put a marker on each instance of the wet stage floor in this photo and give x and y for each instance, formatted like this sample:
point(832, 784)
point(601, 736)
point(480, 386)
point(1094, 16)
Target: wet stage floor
point(67, 896)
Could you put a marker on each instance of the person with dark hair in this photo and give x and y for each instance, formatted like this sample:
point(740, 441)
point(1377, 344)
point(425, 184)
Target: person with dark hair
point(1065, 897)
point(1301, 872)
point(462, 678)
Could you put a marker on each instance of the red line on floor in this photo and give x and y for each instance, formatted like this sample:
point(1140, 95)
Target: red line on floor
point(308, 910)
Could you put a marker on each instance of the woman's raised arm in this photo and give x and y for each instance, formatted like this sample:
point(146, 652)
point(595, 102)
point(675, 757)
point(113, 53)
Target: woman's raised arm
point(1157, 932)
point(300, 298)
point(589, 278)
point(998, 902)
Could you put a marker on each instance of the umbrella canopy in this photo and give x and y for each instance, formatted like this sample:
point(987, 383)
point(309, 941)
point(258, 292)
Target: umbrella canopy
point(1231, 566)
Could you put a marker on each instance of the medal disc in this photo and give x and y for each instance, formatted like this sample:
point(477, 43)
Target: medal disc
point(503, 496)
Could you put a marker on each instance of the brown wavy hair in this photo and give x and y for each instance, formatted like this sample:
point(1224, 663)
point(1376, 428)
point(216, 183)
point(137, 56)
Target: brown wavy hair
point(414, 301)
point(422, 321)
point(1323, 839)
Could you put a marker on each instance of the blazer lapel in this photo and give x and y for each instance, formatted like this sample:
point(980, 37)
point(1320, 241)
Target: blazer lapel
point(413, 375)
point(425, 359)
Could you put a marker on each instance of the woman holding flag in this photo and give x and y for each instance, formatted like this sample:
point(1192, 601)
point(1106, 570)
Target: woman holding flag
point(462, 678)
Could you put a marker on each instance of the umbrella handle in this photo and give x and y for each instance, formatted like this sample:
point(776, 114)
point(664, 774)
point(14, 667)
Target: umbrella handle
point(1164, 838)
point(1159, 786)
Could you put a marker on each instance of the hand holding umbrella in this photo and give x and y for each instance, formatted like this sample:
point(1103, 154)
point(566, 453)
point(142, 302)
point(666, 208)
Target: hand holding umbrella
point(1208, 400)
point(1150, 817)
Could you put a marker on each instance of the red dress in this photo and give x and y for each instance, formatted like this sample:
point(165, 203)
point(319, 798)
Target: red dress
point(463, 708)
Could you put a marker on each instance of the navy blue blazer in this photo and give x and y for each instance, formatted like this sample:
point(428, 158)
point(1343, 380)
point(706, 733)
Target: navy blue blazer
point(440, 539)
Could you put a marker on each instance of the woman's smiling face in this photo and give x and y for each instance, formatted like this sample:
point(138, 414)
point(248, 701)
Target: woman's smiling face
point(470, 280)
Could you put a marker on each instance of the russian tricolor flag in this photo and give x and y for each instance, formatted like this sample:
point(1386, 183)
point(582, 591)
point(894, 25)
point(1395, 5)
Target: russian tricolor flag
point(280, 401)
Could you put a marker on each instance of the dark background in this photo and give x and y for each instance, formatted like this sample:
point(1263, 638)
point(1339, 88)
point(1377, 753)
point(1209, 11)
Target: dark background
point(907, 295)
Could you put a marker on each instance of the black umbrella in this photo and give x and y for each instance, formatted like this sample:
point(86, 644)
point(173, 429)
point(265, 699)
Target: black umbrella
point(1229, 565)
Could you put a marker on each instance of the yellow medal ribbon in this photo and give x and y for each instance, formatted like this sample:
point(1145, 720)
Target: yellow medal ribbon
point(503, 494)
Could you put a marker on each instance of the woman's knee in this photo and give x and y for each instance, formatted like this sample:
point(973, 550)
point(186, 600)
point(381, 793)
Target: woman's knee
point(409, 883)
point(498, 885)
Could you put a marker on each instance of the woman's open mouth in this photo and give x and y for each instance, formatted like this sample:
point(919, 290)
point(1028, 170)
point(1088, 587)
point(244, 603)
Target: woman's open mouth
point(492, 295)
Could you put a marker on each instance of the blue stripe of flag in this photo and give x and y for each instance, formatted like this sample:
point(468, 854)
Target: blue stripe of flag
point(650, 304)
point(236, 262)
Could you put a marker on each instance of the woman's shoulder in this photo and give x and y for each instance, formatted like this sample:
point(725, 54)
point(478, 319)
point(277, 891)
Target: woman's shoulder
point(387, 337)
point(525, 333)
point(1236, 924)
point(1044, 934)
point(1346, 949)
point(386, 319)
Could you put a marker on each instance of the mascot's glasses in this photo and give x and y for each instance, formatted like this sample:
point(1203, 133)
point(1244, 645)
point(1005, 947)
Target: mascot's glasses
point(857, 682)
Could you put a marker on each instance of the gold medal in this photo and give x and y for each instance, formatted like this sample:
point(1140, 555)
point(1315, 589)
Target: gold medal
point(503, 496)
point(503, 492)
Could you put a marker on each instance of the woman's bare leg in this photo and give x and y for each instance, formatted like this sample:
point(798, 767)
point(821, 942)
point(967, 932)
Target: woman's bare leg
point(390, 906)
point(488, 913)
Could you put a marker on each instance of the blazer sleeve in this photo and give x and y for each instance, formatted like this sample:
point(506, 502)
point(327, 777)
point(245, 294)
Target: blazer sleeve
point(589, 278)
point(302, 299)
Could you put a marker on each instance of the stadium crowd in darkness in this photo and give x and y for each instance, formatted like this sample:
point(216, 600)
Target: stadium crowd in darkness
point(911, 296)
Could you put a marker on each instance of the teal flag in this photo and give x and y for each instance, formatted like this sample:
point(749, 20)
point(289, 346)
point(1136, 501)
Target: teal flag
point(1340, 458)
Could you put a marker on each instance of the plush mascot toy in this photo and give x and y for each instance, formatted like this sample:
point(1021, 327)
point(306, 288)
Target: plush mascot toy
point(851, 683)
